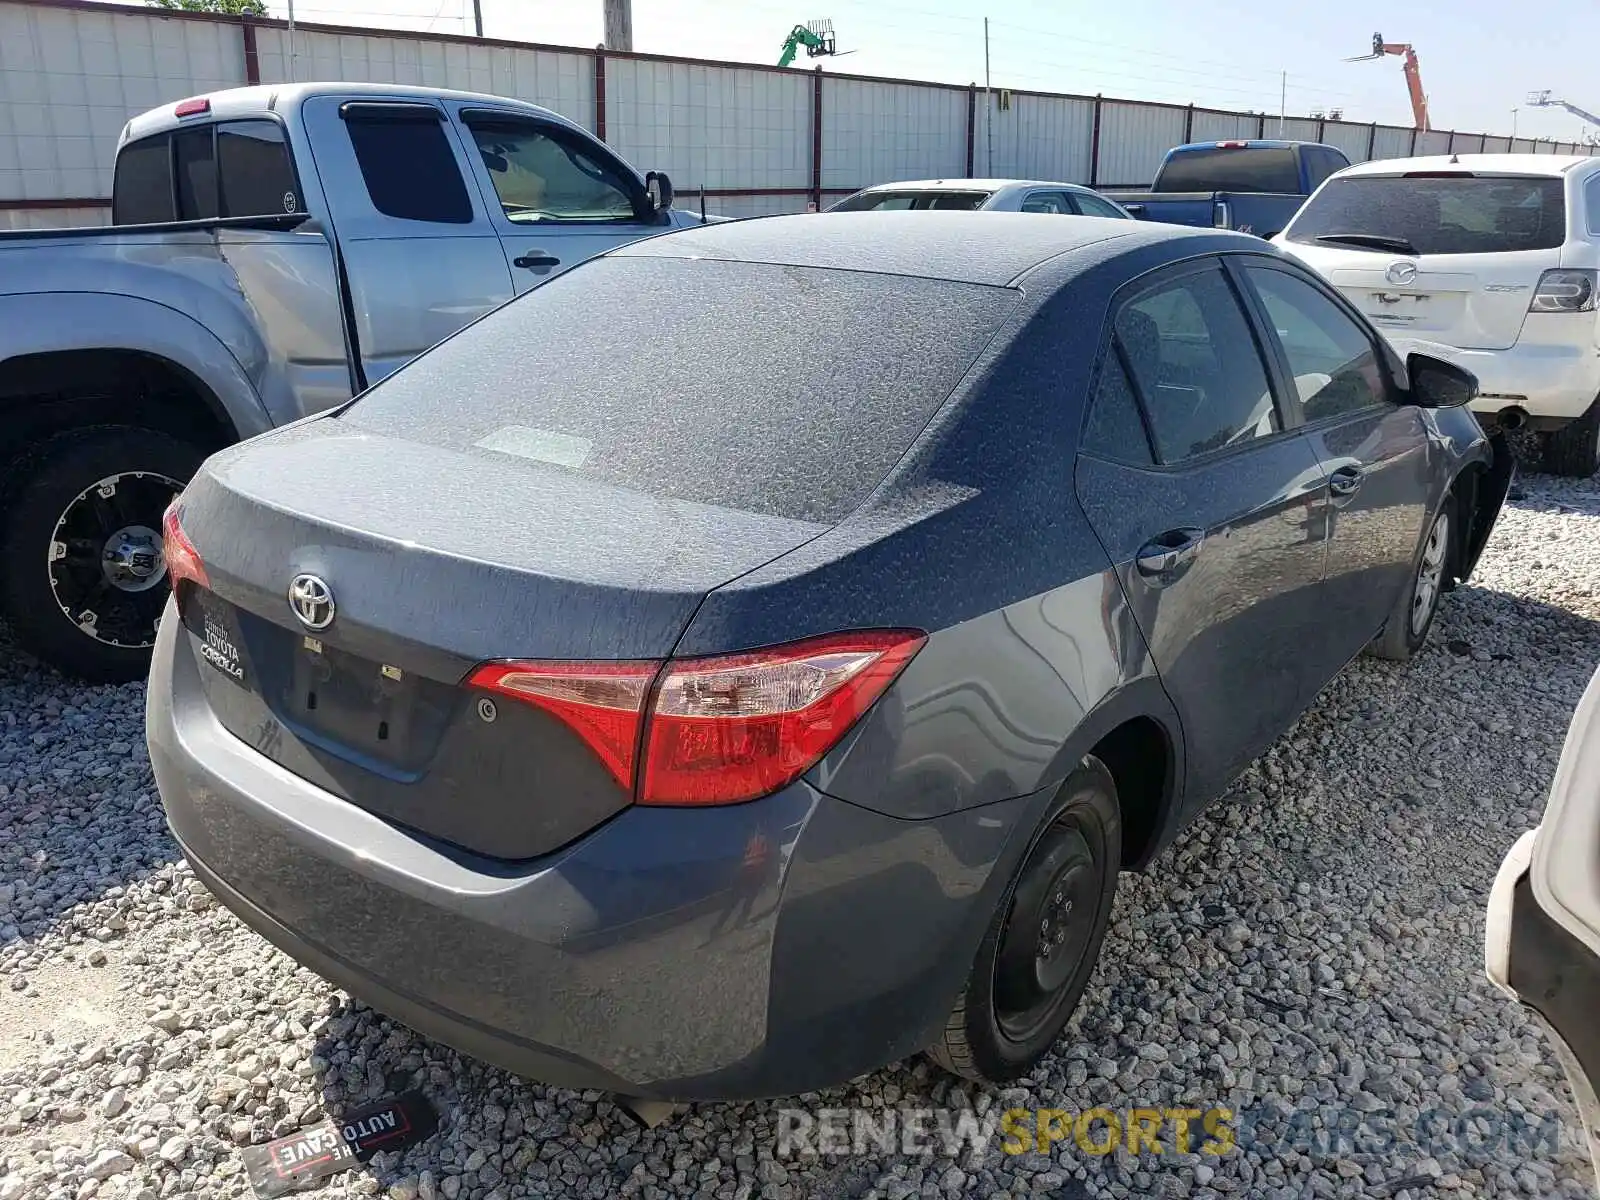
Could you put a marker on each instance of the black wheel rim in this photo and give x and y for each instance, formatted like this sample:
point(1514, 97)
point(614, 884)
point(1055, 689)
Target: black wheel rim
point(1050, 928)
point(105, 565)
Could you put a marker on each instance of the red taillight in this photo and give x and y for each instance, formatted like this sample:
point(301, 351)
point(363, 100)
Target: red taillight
point(183, 560)
point(715, 730)
point(192, 108)
point(739, 726)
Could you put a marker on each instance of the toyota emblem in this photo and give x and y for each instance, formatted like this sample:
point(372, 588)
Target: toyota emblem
point(311, 601)
point(1401, 273)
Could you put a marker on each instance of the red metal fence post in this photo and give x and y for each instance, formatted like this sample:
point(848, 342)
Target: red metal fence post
point(252, 60)
point(1094, 146)
point(972, 121)
point(1188, 124)
point(1372, 140)
point(600, 92)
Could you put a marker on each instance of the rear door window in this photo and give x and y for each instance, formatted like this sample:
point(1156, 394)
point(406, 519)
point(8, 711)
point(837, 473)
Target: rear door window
point(1195, 361)
point(406, 162)
point(1437, 214)
point(1048, 202)
point(1231, 169)
point(141, 193)
point(888, 201)
point(788, 391)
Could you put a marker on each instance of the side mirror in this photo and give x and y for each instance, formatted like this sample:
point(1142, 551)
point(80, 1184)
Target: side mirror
point(659, 189)
point(1436, 383)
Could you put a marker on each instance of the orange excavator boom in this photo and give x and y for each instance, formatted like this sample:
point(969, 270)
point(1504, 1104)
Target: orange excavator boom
point(1419, 98)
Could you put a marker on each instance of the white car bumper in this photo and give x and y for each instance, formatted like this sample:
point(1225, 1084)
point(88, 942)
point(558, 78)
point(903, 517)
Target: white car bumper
point(1553, 384)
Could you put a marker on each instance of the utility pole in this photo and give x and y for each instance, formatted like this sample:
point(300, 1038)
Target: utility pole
point(292, 75)
point(619, 25)
point(988, 108)
point(477, 17)
point(1283, 101)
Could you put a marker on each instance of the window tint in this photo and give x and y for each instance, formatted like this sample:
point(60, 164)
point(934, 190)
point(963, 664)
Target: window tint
point(197, 174)
point(1048, 202)
point(1231, 169)
point(541, 174)
point(1334, 363)
point(1094, 206)
point(1437, 214)
point(253, 164)
point(406, 162)
point(1115, 430)
point(789, 391)
point(885, 201)
point(1195, 362)
point(142, 191)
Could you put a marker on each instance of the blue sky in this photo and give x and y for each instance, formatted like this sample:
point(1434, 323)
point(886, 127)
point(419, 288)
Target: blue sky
point(1479, 58)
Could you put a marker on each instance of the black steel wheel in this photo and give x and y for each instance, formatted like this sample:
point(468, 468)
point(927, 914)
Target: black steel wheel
point(84, 578)
point(1045, 937)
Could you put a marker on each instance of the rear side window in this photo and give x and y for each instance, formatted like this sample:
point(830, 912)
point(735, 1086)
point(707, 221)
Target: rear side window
point(1093, 206)
point(1115, 430)
point(142, 191)
point(1436, 214)
point(1048, 202)
point(788, 391)
point(1231, 169)
point(1196, 365)
point(406, 162)
point(256, 174)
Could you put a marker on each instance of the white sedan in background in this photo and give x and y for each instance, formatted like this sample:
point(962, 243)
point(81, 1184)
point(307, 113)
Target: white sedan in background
point(1543, 931)
point(989, 195)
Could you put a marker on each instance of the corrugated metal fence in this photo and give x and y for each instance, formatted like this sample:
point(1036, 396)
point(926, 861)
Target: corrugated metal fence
point(755, 139)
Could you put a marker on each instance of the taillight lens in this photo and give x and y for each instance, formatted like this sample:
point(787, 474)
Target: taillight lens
point(601, 702)
point(183, 560)
point(736, 727)
point(717, 730)
point(1564, 290)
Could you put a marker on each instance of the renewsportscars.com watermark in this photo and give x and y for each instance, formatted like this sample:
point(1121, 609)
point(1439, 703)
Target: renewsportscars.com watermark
point(1474, 1135)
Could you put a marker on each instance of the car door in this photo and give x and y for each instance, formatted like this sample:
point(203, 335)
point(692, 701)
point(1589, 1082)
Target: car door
point(1373, 447)
point(419, 255)
point(1213, 522)
point(556, 197)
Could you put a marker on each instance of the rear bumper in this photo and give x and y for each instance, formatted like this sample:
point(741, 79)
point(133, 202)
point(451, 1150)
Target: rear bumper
point(656, 956)
point(1553, 384)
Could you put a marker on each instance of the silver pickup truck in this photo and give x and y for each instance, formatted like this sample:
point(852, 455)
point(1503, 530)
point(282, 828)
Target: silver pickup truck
point(274, 250)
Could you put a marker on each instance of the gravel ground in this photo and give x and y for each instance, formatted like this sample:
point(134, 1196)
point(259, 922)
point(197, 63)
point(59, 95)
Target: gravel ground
point(1315, 944)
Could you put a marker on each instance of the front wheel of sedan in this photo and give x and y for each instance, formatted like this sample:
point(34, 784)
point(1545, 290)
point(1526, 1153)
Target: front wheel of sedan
point(1041, 946)
point(1418, 603)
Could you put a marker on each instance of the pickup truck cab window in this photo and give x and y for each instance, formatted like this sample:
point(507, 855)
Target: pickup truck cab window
point(254, 170)
point(1332, 361)
point(200, 172)
point(406, 162)
point(194, 151)
point(1230, 169)
point(542, 174)
point(141, 193)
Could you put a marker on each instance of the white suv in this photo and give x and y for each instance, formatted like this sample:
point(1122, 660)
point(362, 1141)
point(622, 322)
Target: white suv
point(1492, 259)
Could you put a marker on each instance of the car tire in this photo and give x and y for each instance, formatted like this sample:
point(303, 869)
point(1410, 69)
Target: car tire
point(1418, 603)
point(1058, 903)
point(61, 494)
point(1574, 449)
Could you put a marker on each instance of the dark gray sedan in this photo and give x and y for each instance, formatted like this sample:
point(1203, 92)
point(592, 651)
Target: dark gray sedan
point(750, 658)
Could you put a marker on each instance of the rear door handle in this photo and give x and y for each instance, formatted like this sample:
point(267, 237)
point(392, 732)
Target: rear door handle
point(533, 262)
point(1162, 560)
point(1345, 483)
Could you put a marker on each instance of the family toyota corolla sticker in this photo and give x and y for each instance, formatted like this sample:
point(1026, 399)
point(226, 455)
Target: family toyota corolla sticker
point(303, 1159)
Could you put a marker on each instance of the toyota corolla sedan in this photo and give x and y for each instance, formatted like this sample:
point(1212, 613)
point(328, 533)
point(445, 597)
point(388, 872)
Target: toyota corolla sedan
point(750, 658)
point(985, 195)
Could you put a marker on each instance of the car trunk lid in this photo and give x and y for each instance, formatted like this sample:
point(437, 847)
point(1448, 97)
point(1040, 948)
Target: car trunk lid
point(436, 561)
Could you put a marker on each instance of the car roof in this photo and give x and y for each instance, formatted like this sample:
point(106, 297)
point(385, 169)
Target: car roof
point(969, 185)
point(1552, 165)
point(243, 102)
point(993, 248)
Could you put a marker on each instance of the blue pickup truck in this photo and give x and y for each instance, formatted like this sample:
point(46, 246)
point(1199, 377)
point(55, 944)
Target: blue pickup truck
point(1251, 186)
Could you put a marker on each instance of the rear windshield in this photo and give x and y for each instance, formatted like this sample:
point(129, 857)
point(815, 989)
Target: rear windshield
point(1231, 169)
point(1456, 214)
point(788, 391)
point(889, 201)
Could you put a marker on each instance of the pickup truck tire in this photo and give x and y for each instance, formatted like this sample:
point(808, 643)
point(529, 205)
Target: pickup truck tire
point(80, 588)
point(1574, 449)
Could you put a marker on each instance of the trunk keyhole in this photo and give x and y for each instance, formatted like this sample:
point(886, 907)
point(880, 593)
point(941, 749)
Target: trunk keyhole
point(383, 731)
point(311, 701)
